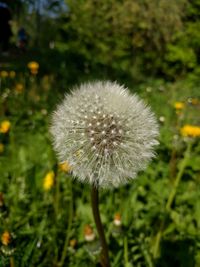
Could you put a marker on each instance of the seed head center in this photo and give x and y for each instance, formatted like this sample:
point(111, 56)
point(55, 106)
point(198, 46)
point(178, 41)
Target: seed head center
point(104, 133)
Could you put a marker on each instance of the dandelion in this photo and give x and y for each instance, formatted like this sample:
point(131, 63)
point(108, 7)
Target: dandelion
point(19, 87)
point(6, 238)
point(33, 67)
point(12, 74)
point(4, 74)
point(48, 180)
point(179, 105)
point(5, 126)
point(193, 101)
point(190, 131)
point(107, 135)
point(113, 132)
point(65, 167)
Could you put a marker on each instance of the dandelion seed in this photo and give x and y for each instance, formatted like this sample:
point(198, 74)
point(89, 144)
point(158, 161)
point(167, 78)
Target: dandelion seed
point(123, 134)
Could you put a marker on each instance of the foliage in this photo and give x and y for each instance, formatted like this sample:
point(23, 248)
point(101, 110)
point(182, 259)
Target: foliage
point(134, 38)
point(43, 212)
point(127, 36)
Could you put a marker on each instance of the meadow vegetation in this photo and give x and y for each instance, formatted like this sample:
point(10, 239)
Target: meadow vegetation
point(45, 216)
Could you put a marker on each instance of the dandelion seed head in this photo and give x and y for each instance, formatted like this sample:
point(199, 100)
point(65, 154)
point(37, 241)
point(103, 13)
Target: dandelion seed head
point(114, 129)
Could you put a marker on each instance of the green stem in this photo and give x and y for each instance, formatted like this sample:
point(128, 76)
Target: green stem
point(64, 252)
point(12, 264)
point(178, 177)
point(95, 208)
point(57, 195)
point(171, 198)
point(157, 242)
point(125, 251)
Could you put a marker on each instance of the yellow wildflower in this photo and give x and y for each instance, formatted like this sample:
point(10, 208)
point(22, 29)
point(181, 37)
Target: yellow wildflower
point(6, 238)
point(1, 148)
point(65, 167)
point(19, 87)
point(12, 74)
point(5, 126)
point(4, 74)
point(48, 180)
point(179, 105)
point(33, 66)
point(193, 101)
point(190, 131)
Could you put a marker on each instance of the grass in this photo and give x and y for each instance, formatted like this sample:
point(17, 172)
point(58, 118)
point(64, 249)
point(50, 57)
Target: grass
point(46, 227)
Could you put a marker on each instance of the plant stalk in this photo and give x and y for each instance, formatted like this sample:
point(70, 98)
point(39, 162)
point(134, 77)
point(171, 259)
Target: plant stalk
point(171, 198)
point(64, 252)
point(178, 177)
point(95, 208)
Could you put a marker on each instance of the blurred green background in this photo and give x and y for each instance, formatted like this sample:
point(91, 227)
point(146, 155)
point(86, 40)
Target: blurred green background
point(152, 47)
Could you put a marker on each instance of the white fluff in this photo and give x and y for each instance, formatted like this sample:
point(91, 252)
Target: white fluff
point(105, 133)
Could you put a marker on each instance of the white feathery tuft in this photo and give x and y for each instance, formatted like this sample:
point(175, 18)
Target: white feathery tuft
point(105, 133)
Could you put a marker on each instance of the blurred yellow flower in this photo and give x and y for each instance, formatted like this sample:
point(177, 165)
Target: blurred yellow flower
point(4, 74)
point(193, 101)
point(19, 87)
point(65, 167)
point(48, 180)
point(190, 131)
point(179, 105)
point(12, 74)
point(1, 148)
point(5, 126)
point(33, 66)
point(6, 238)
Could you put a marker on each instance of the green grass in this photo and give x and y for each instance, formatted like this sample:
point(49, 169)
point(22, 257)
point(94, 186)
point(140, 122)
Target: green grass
point(42, 223)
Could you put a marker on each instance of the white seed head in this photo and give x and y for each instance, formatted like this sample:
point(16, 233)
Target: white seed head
point(116, 140)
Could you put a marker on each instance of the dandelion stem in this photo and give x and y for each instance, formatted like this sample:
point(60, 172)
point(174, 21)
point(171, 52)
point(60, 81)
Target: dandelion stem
point(95, 208)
